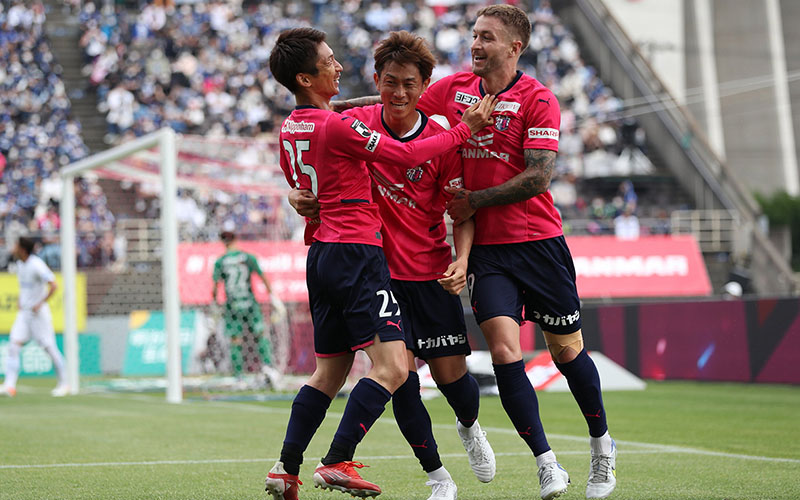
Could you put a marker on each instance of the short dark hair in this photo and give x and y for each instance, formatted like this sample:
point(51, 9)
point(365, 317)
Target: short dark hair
point(227, 236)
point(26, 244)
point(403, 47)
point(514, 18)
point(295, 52)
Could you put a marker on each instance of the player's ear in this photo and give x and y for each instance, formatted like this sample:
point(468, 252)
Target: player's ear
point(425, 84)
point(303, 80)
point(516, 48)
point(376, 78)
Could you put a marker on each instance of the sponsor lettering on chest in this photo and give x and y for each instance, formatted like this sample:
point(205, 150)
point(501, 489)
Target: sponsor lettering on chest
point(464, 98)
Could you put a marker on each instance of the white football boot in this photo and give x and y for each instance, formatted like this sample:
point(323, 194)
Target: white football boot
point(553, 480)
point(479, 451)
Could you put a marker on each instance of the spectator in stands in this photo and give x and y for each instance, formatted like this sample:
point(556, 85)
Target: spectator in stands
point(626, 225)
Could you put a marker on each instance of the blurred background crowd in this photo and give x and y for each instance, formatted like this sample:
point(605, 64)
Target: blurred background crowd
point(201, 69)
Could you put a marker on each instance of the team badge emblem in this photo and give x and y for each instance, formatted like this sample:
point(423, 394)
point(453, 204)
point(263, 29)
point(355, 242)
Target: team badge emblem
point(414, 174)
point(501, 122)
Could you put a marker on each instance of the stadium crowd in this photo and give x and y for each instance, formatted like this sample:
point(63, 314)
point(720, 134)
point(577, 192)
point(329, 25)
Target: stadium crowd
point(39, 135)
point(200, 68)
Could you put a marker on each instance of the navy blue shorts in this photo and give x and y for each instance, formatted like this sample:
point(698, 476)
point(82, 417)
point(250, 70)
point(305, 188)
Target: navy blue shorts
point(538, 275)
point(350, 297)
point(433, 319)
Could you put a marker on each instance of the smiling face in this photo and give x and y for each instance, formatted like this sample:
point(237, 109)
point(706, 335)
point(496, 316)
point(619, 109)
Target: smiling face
point(400, 87)
point(492, 47)
point(326, 81)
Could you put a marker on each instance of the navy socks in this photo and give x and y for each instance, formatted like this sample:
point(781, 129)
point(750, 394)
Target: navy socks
point(365, 404)
point(584, 382)
point(308, 412)
point(463, 395)
point(520, 402)
point(415, 423)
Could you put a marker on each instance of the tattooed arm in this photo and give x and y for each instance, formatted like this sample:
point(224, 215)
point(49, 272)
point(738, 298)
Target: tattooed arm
point(356, 102)
point(533, 181)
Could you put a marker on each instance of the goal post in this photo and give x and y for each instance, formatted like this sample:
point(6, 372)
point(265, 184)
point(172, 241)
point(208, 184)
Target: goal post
point(165, 141)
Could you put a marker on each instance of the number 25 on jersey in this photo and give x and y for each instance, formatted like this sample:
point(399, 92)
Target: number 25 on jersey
point(296, 160)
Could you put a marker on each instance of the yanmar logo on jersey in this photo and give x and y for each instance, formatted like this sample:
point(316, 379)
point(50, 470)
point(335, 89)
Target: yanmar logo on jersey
point(292, 127)
point(472, 153)
point(467, 99)
point(543, 133)
point(393, 192)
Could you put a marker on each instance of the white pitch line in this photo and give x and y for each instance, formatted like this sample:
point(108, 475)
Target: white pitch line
point(270, 460)
point(661, 448)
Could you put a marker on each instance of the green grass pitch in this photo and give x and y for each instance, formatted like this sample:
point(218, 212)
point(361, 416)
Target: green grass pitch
point(676, 440)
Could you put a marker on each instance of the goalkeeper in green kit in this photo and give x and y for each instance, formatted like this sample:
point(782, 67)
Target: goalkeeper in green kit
point(241, 310)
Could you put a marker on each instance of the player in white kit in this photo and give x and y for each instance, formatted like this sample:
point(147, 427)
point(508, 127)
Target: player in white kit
point(33, 322)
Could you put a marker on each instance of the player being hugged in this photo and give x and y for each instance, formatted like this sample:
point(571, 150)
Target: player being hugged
point(350, 294)
point(520, 257)
point(411, 199)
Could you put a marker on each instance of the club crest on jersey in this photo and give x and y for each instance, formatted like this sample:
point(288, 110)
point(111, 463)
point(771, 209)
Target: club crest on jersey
point(414, 174)
point(501, 122)
point(361, 128)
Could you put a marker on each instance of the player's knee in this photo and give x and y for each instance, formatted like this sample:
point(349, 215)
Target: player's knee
point(447, 370)
point(503, 354)
point(564, 348)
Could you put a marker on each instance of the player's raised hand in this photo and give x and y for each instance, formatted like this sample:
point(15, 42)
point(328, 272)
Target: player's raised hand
point(304, 202)
point(479, 115)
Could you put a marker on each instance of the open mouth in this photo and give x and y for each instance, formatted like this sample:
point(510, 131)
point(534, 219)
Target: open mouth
point(478, 58)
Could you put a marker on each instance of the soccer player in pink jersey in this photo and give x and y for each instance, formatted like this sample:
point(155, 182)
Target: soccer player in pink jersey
point(425, 280)
point(520, 258)
point(350, 295)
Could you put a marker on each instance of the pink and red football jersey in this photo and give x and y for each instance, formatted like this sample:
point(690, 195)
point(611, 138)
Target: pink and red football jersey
point(527, 117)
point(326, 152)
point(412, 201)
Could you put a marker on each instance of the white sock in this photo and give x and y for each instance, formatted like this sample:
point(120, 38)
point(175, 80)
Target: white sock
point(545, 458)
point(58, 363)
point(439, 474)
point(601, 445)
point(470, 431)
point(12, 365)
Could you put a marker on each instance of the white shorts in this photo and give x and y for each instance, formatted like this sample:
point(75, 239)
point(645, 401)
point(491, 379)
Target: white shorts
point(34, 326)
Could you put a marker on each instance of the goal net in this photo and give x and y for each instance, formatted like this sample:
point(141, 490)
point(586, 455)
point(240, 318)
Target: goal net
point(150, 273)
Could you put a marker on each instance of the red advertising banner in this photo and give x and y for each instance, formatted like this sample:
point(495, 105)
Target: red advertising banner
point(283, 263)
point(651, 266)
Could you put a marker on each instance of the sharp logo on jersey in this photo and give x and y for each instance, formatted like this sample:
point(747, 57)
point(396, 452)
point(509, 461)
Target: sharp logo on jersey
point(467, 99)
point(501, 122)
point(292, 127)
point(456, 183)
point(543, 133)
point(481, 140)
point(361, 128)
point(414, 174)
point(372, 143)
point(507, 106)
